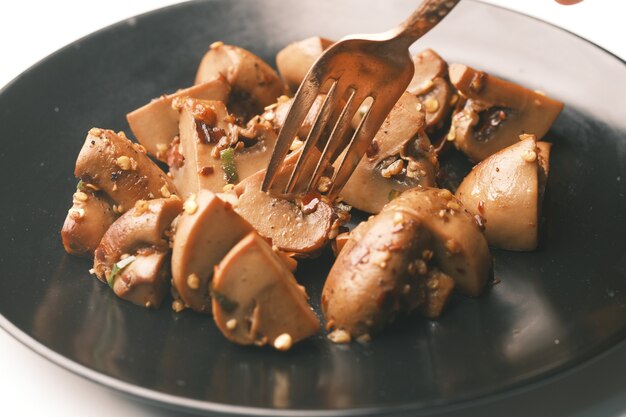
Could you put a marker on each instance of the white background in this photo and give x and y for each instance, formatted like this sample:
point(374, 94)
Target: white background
point(30, 30)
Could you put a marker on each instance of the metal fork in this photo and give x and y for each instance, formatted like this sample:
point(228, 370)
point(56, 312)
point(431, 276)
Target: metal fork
point(352, 70)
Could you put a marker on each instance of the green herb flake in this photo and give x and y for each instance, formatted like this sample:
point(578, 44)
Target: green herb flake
point(118, 267)
point(81, 186)
point(227, 156)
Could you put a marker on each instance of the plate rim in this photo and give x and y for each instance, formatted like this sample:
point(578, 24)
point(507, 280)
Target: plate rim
point(175, 402)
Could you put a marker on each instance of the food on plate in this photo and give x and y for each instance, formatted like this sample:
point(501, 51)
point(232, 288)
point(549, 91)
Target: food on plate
point(133, 255)
point(202, 230)
point(254, 83)
point(86, 222)
point(400, 157)
point(212, 151)
point(431, 86)
point(206, 231)
point(494, 112)
point(295, 59)
point(257, 300)
point(156, 124)
point(506, 190)
point(408, 257)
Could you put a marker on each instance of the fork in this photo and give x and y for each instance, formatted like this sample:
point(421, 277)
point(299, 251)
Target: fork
point(376, 68)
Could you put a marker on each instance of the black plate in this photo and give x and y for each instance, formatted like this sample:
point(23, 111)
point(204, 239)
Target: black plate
point(554, 309)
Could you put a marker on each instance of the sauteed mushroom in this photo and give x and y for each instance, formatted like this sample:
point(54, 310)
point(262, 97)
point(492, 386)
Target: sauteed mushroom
point(496, 112)
point(506, 189)
point(254, 83)
point(294, 60)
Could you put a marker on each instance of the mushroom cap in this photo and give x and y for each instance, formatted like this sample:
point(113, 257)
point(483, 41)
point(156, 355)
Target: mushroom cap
point(506, 190)
point(145, 280)
point(201, 240)
point(121, 169)
point(294, 60)
point(141, 227)
point(459, 245)
point(254, 83)
point(257, 299)
point(365, 289)
point(155, 124)
point(86, 222)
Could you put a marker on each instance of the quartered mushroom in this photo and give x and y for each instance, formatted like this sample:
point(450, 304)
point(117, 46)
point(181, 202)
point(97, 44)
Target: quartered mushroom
point(212, 151)
point(255, 84)
point(302, 227)
point(400, 157)
point(495, 112)
point(156, 124)
point(133, 255)
point(256, 299)
point(459, 246)
point(86, 222)
point(121, 169)
point(506, 189)
point(431, 86)
point(205, 233)
point(294, 60)
point(386, 269)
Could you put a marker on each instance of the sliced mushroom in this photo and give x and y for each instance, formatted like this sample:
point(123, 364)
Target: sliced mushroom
point(121, 169)
point(284, 222)
point(294, 60)
point(431, 86)
point(277, 113)
point(400, 157)
point(459, 245)
point(254, 83)
point(156, 124)
point(133, 254)
point(257, 299)
point(496, 112)
point(206, 129)
point(86, 222)
point(205, 232)
point(506, 189)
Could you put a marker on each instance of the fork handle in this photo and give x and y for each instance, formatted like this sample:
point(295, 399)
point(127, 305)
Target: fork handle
point(427, 15)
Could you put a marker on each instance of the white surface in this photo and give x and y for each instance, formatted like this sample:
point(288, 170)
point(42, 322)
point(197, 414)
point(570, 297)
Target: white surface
point(30, 30)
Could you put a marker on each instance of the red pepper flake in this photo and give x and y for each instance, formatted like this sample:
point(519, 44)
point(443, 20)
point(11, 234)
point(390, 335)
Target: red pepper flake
point(205, 171)
point(209, 134)
point(481, 207)
point(372, 150)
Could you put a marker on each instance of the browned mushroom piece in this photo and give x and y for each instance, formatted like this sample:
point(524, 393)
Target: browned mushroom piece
point(206, 231)
point(256, 299)
point(302, 228)
point(369, 285)
point(121, 169)
point(459, 245)
point(277, 113)
point(255, 84)
point(408, 257)
point(133, 255)
point(506, 189)
point(294, 60)
point(156, 124)
point(431, 86)
point(496, 112)
point(400, 157)
point(86, 222)
point(206, 129)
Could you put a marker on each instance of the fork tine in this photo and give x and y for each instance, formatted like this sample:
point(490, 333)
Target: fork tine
point(367, 128)
point(302, 103)
point(319, 124)
point(337, 138)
